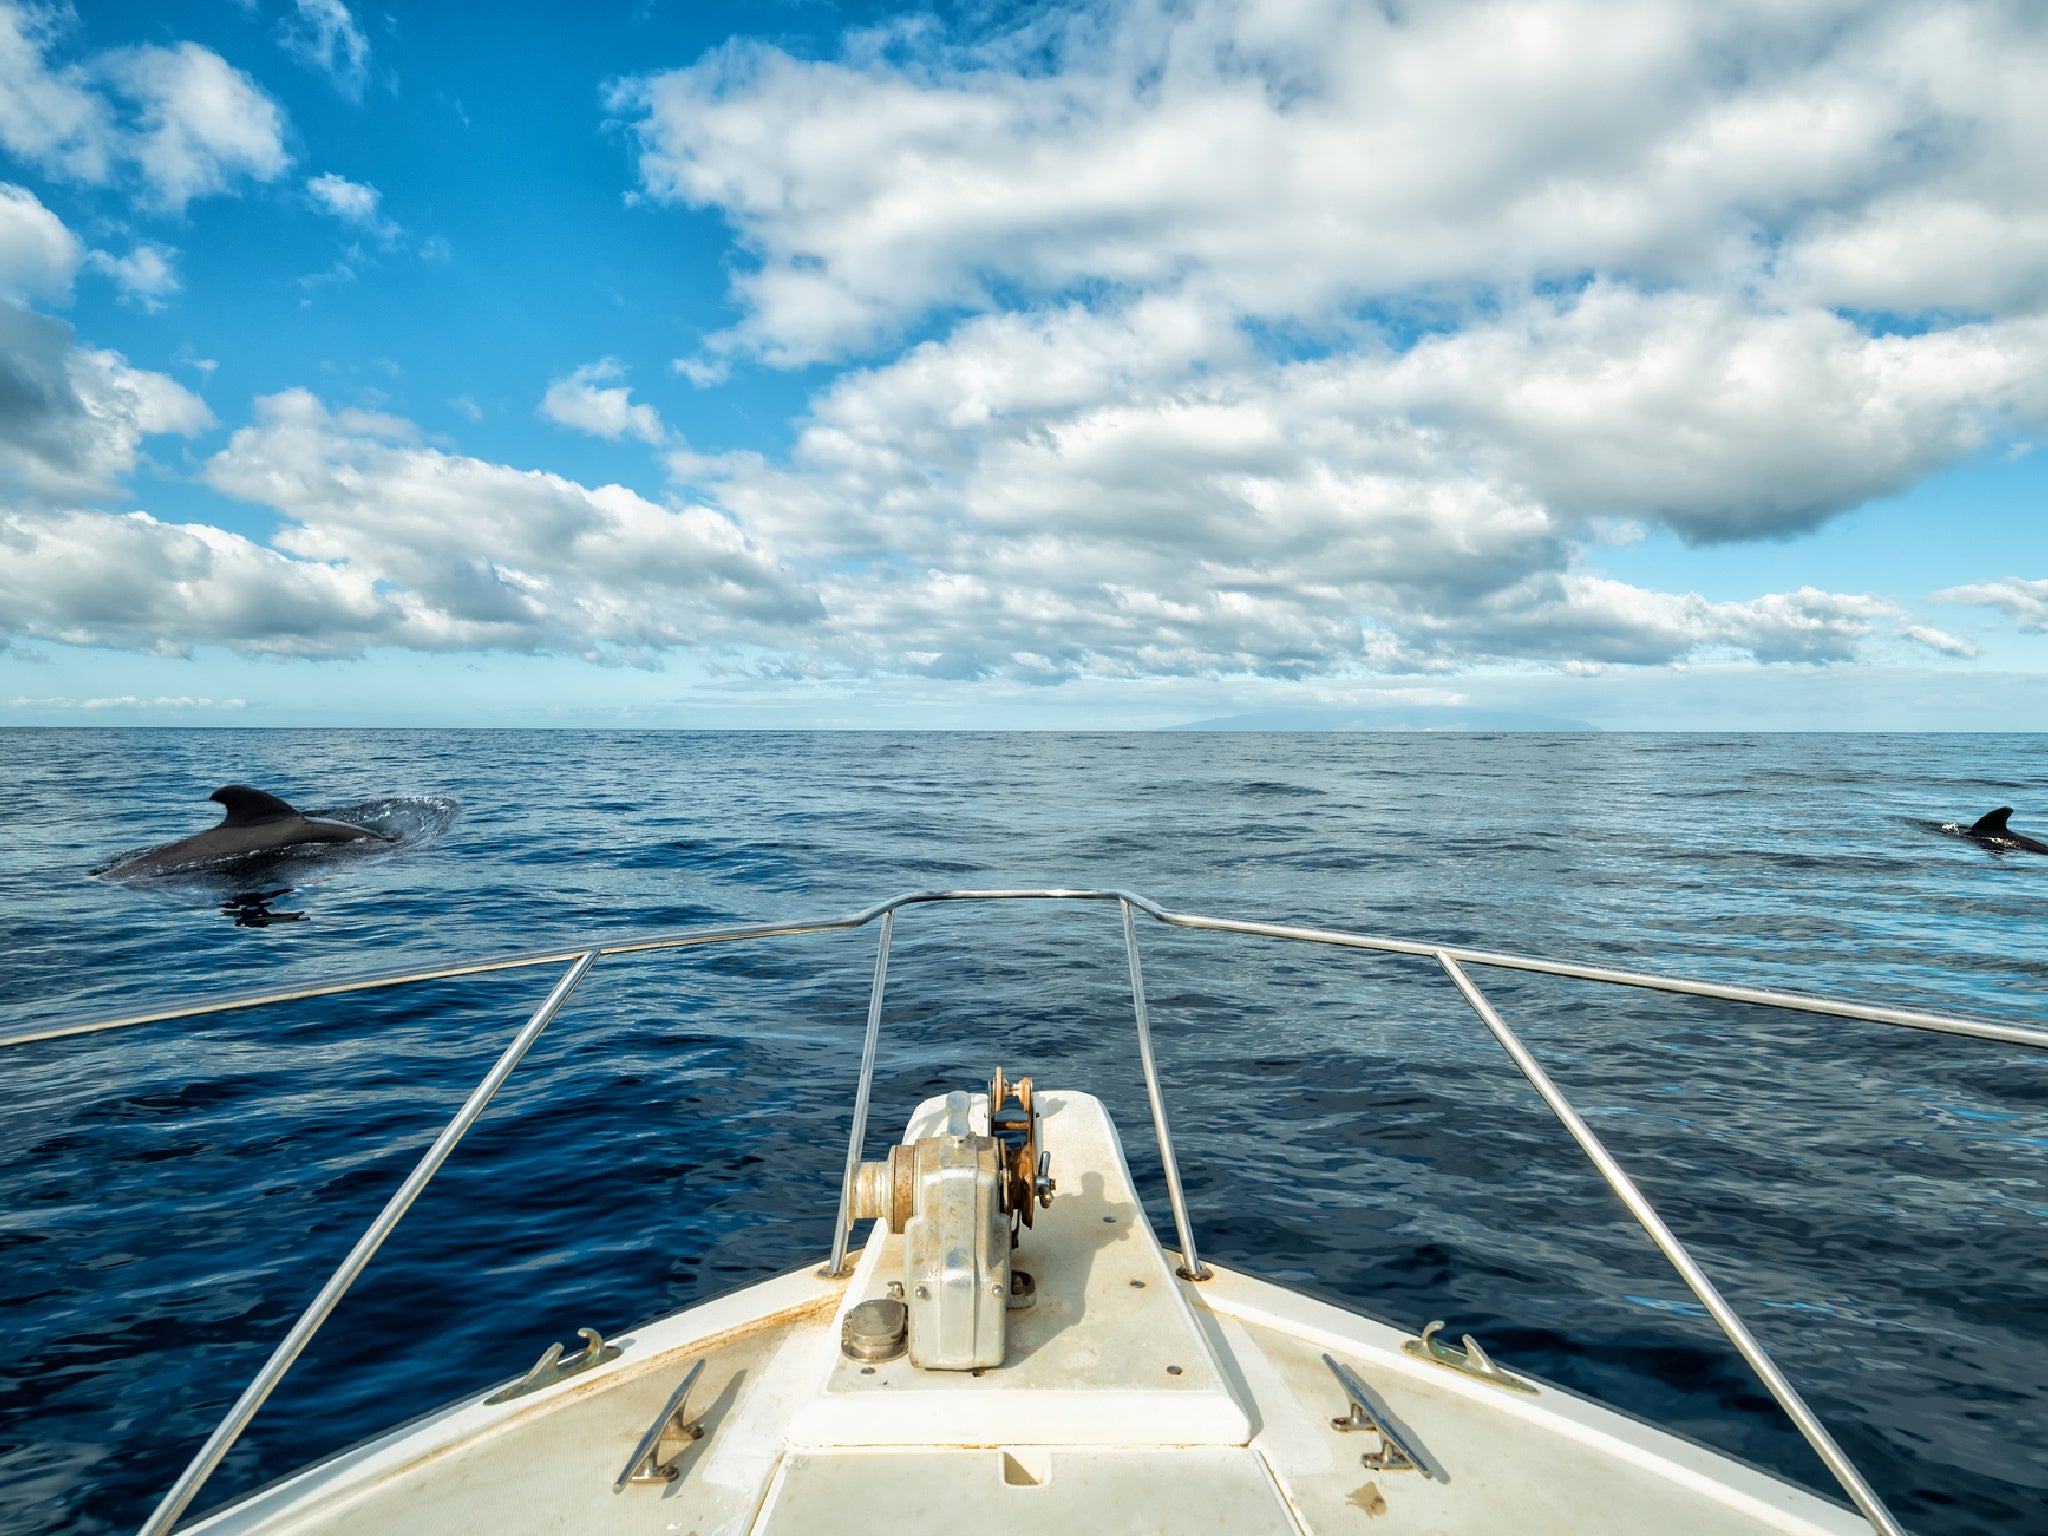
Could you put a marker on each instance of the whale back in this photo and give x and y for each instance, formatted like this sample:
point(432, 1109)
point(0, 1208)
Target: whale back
point(1993, 825)
point(247, 807)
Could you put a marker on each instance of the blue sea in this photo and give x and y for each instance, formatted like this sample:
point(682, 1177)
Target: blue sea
point(1875, 1200)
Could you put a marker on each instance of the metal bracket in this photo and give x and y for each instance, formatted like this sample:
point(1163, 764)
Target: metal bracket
point(551, 1367)
point(1394, 1454)
point(1471, 1360)
point(646, 1465)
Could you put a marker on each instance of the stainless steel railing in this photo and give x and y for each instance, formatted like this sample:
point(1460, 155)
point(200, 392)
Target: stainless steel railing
point(1451, 959)
point(368, 981)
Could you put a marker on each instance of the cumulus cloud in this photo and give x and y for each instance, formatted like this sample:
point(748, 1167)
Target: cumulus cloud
point(72, 418)
point(1721, 419)
point(1584, 618)
point(2024, 602)
point(1925, 249)
point(389, 542)
point(38, 255)
point(1708, 185)
point(1005, 548)
point(92, 578)
point(580, 401)
point(1323, 337)
point(1141, 493)
point(147, 275)
point(324, 36)
point(178, 122)
point(1304, 341)
point(470, 554)
point(1296, 160)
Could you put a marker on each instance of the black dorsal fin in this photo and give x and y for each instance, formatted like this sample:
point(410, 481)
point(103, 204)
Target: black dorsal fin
point(1992, 825)
point(247, 806)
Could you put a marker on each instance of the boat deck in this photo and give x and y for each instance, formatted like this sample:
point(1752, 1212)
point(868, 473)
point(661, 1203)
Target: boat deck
point(1129, 1400)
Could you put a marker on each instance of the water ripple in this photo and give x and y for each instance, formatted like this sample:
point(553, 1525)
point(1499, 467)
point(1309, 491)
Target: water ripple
point(1873, 1200)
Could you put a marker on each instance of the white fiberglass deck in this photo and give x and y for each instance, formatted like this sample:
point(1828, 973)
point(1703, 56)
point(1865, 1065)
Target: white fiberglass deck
point(1110, 1354)
point(1162, 1405)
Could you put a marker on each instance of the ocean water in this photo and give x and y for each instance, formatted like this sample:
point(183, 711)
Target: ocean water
point(1874, 1200)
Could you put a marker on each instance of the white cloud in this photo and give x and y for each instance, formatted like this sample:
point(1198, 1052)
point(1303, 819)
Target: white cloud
point(1142, 492)
point(324, 36)
point(479, 555)
point(127, 701)
point(1588, 618)
point(72, 418)
point(384, 544)
point(1719, 418)
point(1295, 161)
point(1939, 640)
point(147, 275)
point(2024, 602)
point(193, 124)
point(54, 118)
point(201, 124)
point(578, 401)
point(1960, 222)
point(1925, 249)
point(703, 372)
point(1036, 548)
point(1306, 341)
point(91, 578)
point(1315, 338)
point(352, 202)
point(38, 255)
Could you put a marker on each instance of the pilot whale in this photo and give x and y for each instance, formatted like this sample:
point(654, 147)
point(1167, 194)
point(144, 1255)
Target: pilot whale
point(1992, 831)
point(255, 823)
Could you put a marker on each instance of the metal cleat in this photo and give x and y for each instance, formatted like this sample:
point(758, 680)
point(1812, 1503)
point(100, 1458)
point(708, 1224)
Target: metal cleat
point(1394, 1454)
point(1471, 1360)
point(646, 1465)
point(551, 1367)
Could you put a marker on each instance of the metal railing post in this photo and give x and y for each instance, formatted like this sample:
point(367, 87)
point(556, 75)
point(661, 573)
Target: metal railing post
point(1191, 1266)
point(854, 1141)
point(209, 1457)
point(1860, 1492)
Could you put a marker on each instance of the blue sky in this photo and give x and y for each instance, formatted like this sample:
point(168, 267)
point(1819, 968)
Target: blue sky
point(1661, 366)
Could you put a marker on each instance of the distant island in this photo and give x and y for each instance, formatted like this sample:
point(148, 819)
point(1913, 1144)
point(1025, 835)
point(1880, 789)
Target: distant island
point(1419, 718)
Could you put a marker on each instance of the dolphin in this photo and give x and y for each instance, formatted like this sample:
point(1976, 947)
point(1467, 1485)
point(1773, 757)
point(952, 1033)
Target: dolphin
point(255, 823)
point(1992, 832)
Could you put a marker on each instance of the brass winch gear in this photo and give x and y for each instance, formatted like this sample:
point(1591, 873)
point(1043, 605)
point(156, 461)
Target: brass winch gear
point(888, 1189)
point(1027, 1179)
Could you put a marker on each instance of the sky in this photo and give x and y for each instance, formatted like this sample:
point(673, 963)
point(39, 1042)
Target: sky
point(1655, 364)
